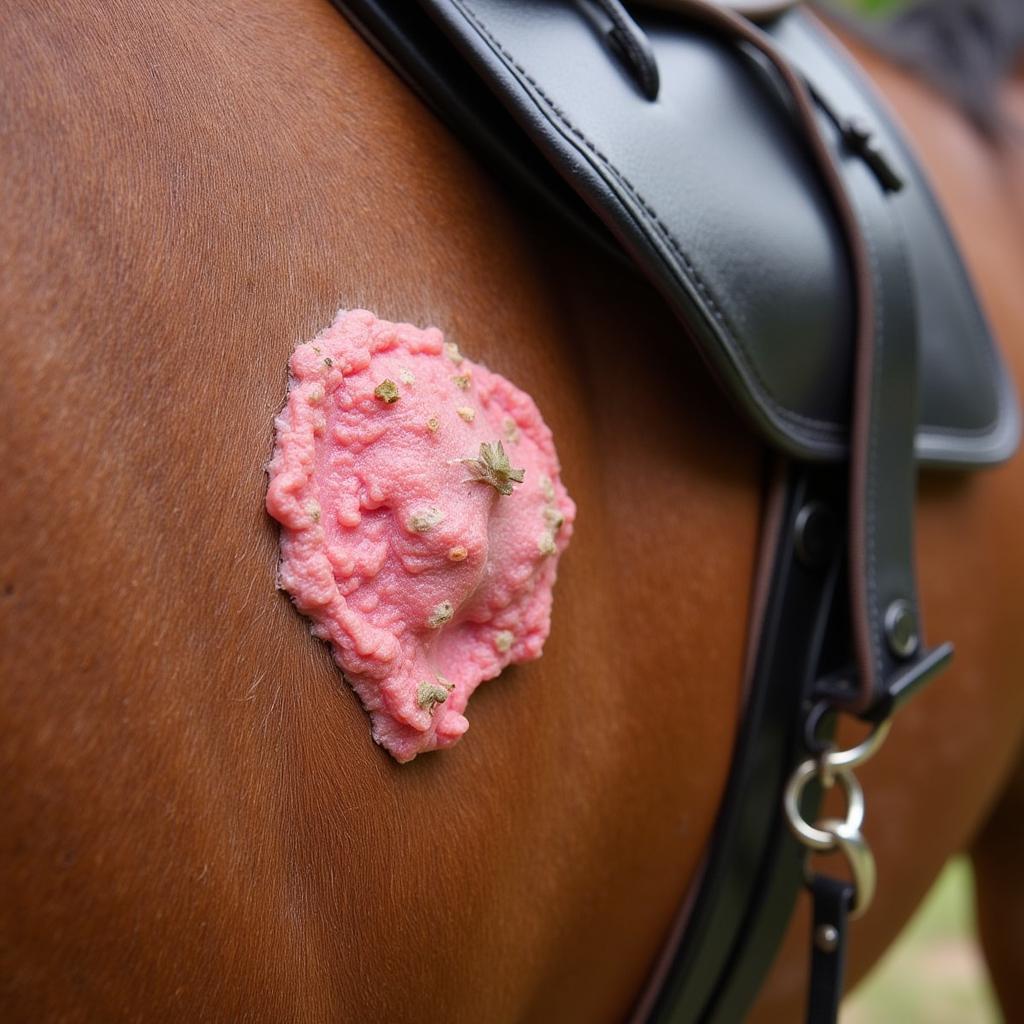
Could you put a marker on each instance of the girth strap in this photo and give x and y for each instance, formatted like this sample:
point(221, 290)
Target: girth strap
point(727, 936)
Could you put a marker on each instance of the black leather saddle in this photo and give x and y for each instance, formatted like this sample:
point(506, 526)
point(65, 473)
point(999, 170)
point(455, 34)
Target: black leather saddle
point(732, 153)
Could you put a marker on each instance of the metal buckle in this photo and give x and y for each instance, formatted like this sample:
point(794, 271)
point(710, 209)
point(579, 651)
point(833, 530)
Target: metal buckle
point(831, 834)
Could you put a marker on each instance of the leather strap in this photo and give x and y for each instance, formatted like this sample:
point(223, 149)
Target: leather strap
point(890, 654)
point(832, 898)
point(891, 658)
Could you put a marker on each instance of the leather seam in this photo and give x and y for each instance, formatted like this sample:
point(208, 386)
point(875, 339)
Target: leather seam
point(824, 430)
point(870, 483)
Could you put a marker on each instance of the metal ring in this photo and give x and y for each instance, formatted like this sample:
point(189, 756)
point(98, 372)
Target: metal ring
point(862, 865)
point(844, 758)
point(866, 749)
point(809, 835)
point(859, 859)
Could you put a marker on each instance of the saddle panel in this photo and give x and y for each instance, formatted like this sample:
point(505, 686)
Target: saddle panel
point(710, 192)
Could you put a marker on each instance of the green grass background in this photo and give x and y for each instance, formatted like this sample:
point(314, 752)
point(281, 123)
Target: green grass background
point(875, 7)
point(934, 974)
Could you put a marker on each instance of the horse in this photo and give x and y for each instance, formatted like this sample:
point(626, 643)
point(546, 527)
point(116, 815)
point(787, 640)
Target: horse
point(196, 824)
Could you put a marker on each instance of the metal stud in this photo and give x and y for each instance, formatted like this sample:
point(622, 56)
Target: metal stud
point(826, 937)
point(901, 628)
point(815, 534)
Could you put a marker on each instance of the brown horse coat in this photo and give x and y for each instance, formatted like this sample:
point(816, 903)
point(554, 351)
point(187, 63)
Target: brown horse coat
point(196, 825)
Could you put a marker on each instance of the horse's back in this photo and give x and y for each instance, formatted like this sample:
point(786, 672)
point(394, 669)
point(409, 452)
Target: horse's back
point(198, 821)
point(199, 825)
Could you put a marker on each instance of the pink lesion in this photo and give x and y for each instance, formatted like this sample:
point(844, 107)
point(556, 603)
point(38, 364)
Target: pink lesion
point(430, 560)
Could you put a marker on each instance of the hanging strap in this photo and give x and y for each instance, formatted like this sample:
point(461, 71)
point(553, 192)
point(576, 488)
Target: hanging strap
point(832, 899)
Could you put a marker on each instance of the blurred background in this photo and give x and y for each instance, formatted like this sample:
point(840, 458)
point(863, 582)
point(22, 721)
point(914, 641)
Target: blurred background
point(873, 7)
point(935, 973)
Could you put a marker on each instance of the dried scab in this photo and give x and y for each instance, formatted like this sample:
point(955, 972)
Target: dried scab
point(457, 553)
point(451, 350)
point(467, 413)
point(313, 510)
point(492, 467)
point(553, 517)
point(462, 381)
point(429, 695)
point(387, 391)
point(316, 396)
point(424, 519)
point(440, 615)
point(328, 362)
point(503, 641)
point(433, 424)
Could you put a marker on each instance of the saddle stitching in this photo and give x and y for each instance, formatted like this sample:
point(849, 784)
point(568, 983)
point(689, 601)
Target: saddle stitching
point(872, 482)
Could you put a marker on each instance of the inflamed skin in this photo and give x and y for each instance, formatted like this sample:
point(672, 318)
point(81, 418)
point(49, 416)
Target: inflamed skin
point(422, 518)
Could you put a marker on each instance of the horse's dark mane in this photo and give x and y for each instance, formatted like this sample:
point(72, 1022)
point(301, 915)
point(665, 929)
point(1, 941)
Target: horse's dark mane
point(964, 47)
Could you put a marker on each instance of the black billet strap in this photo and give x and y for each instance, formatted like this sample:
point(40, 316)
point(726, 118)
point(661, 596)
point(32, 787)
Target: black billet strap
point(886, 619)
point(831, 901)
point(892, 660)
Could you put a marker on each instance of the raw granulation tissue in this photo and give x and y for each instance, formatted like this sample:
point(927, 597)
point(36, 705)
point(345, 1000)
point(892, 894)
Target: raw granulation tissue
point(422, 518)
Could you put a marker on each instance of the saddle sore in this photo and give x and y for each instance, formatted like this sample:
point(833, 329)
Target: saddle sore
point(731, 153)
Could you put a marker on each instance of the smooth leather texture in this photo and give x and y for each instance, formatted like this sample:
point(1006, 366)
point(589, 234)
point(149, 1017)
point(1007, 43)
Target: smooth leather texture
point(882, 478)
point(832, 899)
point(755, 10)
point(711, 192)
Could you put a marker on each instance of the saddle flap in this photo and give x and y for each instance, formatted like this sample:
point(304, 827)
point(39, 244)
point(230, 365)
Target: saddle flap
point(711, 192)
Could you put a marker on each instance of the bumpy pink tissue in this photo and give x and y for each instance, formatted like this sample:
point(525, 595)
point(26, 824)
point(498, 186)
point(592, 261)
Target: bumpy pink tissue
point(423, 577)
